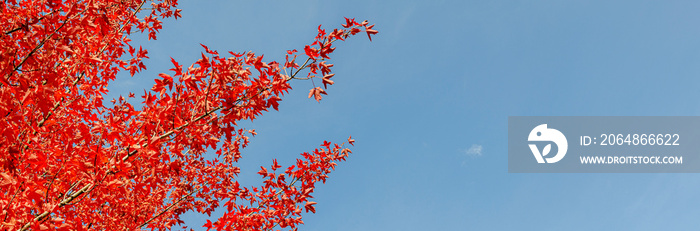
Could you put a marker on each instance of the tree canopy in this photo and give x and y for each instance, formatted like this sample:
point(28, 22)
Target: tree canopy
point(70, 161)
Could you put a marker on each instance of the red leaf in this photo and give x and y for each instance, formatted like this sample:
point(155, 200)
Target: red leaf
point(370, 32)
point(263, 171)
point(208, 50)
point(177, 69)
point(349, 22)
point(310, 206)
point(208, 225)
point(66, 49)
point(327, 80)
point(311, 52)
point(167, 80)
point(275, 165)
point(316, 93)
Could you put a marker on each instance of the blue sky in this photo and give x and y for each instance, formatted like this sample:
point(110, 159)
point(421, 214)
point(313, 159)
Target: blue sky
point(442, 77)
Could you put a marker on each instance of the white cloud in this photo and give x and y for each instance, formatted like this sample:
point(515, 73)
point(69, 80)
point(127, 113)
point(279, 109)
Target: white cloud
point(475, 150)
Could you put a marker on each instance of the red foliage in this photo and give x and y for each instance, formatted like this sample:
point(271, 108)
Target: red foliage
point(69, 162)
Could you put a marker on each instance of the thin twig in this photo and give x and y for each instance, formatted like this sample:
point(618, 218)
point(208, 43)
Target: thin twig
point(167, 209)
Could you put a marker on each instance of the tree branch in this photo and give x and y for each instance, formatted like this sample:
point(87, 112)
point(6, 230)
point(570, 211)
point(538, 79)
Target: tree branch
point(65, 201)
point(168, 208)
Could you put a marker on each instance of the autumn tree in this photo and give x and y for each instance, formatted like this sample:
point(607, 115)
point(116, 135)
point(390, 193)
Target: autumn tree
point(72, 160)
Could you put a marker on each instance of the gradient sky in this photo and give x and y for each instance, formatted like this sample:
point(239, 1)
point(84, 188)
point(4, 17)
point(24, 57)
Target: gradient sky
point(428, 102)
